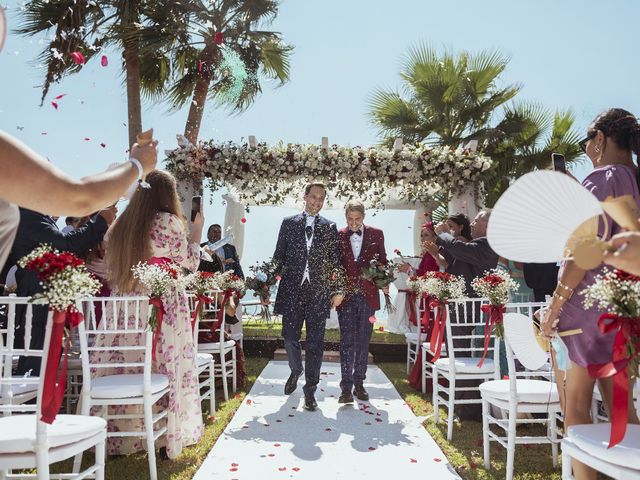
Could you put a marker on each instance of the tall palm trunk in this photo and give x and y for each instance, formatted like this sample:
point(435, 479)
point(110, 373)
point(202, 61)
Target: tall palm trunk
point(132, 68)
point(200, 91)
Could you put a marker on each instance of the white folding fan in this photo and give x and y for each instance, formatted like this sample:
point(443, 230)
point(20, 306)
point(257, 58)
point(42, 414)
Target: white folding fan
point(537, 215)
point(520, 333)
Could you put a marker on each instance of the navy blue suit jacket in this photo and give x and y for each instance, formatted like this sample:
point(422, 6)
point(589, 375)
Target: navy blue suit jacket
point(290, 258)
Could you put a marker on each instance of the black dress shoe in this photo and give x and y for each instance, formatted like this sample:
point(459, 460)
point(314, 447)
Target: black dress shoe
point(310, 403)
point(346, 397)
point(292, 383)
point(360, 393)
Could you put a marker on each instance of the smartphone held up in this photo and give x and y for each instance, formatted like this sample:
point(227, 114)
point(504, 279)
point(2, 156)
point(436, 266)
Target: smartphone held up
point(196, 207)
point(558, 163)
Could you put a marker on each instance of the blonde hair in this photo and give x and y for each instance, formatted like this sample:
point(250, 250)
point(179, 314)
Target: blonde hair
point(354, 205)
point(129, 238)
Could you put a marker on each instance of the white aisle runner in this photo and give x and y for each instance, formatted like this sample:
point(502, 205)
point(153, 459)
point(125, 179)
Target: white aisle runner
point(272, 437)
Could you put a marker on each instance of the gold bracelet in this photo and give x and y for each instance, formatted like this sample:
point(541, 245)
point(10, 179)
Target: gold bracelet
point(560, 297)
point(568, 289)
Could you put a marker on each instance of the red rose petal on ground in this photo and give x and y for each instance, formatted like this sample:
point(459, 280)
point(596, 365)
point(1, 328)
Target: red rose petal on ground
point(276, 444)
point(327, 429)
point(77, 57)
point(249, 402)
point(413, 460)
point(104, 61)
point(282, 469)
point(295, 469)
point(371, 449)
point(55, 105)
point(233, 469)
point(271, 455)
point(243, 220)
point(372, 319)
point(437, 459)
point(235, 465)
point(381, 329)
point(378, 420)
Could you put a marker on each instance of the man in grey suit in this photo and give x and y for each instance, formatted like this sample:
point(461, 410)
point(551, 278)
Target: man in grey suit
point(307, 254)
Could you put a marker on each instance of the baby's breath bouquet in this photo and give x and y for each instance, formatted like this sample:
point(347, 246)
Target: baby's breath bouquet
point(230, 282)
point(63, 276)
point(617, 293)
point(158, 276)
point(442, 286)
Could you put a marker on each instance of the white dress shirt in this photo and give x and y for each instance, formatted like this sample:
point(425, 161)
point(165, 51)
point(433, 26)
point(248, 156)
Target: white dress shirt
point(356, 242)
point(311, 219)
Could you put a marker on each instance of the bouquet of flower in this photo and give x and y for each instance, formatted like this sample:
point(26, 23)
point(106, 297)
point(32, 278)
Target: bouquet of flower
point(64, 277)
point(201, 283)
point(229, 282)
point(618, 294)
point(158, 276)
point(496, 284)
point(381, 275)
point(442, 286)
point(264, 277)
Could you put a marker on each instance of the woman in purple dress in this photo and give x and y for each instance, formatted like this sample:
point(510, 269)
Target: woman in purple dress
point(610, 141)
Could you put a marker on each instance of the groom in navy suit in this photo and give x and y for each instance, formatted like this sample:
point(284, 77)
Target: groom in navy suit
point(306, 255)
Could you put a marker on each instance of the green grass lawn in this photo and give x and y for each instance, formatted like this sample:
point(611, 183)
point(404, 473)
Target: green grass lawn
point(464, 452)
point(262, 329)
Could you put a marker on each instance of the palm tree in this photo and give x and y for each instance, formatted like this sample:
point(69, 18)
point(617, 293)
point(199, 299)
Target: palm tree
point(523, 141)
point(445, 97)
point(450, 99)
point(86, 27)
point(195, 68)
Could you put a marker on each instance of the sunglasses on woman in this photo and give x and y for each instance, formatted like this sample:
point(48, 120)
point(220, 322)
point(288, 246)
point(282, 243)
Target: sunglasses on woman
point(583, 143)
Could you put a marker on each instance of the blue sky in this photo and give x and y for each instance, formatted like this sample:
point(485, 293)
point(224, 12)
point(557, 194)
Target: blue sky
point(580, 54)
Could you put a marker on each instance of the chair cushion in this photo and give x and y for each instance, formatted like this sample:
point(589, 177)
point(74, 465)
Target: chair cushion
point(125, 386)
point(209, 346)
point(529, 391)
point(467, 365)
point(18, 432)
point(203, 359)
point(594, 439)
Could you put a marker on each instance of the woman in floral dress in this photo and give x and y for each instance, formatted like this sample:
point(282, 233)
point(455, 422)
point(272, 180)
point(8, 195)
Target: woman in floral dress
point(153, 225)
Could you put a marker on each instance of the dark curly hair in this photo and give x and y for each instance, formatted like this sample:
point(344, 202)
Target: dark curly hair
point(620, 126)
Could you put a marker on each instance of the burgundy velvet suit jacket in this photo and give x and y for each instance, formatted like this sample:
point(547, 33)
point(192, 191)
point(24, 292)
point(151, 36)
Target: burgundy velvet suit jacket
point(372, 244)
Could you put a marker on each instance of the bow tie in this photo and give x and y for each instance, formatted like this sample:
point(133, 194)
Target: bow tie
point(357, 232)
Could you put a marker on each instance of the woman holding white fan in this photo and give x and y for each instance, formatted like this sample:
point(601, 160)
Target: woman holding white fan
point(611, 139)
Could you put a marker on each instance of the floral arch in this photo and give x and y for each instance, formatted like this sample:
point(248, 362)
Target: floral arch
point(407, 177)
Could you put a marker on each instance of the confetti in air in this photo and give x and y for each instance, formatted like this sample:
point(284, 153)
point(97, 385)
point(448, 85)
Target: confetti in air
point(104, 61)
point(77, 57)
point(234, 77)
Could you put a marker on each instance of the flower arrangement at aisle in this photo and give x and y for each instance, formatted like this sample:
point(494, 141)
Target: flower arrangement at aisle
point(158, 275)
point(201, 283)
point(268, 175)
point(440, 287)
point(381, 275)
point(496, 285)
point(230, 282)
point(264, 277)
point(618, 294)
point(64, 278)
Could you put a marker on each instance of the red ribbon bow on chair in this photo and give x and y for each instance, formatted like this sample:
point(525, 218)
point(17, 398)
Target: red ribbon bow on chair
point(410, 305)
point(216, 325)
point(159, 313)
point(201, 300)
point(627, 331)
point(495, 316)
point(439, 324)
point(54, 384)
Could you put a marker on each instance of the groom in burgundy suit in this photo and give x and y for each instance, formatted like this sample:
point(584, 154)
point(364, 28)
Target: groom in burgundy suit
point(359, 244)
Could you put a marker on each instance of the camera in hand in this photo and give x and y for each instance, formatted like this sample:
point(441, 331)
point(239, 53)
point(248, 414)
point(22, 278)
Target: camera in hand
point(196, 205)
point(558, 163)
